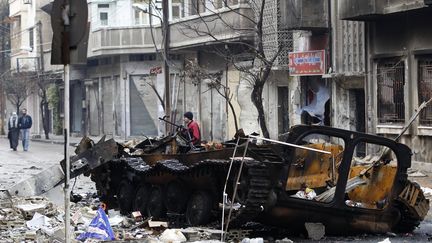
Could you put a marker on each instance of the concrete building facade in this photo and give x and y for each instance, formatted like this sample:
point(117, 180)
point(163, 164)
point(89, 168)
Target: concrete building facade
point(116, 93)
point(398, 67)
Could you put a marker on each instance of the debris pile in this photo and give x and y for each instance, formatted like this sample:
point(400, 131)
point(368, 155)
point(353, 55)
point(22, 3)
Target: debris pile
point(36, 219)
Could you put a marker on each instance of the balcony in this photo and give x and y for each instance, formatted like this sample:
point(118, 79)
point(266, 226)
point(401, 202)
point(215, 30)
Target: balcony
point(304, 14)
point(139, 39)
point(372, 9)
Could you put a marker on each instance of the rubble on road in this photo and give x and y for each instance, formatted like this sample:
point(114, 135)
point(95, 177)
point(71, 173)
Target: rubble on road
point(36, 219)
point(427, 192)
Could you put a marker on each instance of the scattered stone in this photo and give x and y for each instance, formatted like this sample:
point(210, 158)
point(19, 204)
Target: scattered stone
point(284, 240)
point(38, 221)
point(116, 220)
point(391, 234)
point(387, 240)
point(172, 235)
point(254, 240)
point(157, 224)
point(417, 174)
point(137, 216)
point(316, 231)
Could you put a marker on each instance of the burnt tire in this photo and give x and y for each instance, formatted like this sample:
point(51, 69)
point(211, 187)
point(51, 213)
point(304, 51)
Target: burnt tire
point(125, 195)
point(199, 208)
point(176, 197)
point(141, 199)
point(155, 205)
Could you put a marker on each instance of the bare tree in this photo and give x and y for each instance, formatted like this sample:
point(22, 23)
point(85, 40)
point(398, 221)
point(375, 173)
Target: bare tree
point(258, 72)
point(43, 82)
point(18, 87)
point(198, 74)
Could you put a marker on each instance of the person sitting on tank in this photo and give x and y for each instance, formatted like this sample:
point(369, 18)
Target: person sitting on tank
point(193, 131)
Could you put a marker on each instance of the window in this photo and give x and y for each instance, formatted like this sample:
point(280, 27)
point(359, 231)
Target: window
point(196, 6)
point(142, 57)
point(103, 5)
point(105, 61)
point(141, 17)
point(92, 62)
point(103, 17)
point(425, 88)
point(391, 82)
point(177, 9)
point(31, 38)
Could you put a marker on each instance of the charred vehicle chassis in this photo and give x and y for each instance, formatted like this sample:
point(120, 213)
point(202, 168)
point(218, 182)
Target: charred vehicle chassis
point(354, 190)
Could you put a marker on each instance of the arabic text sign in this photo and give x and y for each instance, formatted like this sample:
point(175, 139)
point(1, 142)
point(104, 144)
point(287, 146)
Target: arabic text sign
point(307, 63)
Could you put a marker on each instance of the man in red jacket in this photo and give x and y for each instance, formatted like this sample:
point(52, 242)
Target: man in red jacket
point(193, 128)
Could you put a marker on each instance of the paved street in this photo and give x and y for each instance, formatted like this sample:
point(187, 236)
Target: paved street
point(18, 165)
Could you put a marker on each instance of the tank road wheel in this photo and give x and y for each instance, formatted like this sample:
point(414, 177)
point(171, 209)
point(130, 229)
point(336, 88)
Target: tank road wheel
point(155, 205)
point(199, 207)
point(125, 194)
point(176, 197)
point(141, 199)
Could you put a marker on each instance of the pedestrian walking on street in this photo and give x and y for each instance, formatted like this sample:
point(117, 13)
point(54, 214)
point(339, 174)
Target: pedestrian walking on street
point(13, 131)
point(25, 123)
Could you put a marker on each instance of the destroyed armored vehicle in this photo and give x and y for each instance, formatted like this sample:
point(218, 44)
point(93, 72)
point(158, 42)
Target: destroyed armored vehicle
point(343, 179)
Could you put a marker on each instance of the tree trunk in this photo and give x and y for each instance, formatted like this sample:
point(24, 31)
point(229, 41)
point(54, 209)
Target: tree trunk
point(256, 97)
point(234, 115)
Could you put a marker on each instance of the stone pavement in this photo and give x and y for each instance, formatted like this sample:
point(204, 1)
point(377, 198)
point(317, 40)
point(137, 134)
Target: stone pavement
point(19, 165)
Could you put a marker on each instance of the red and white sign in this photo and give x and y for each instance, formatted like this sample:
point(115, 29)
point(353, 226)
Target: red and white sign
point(156, 70)
point(307, 63)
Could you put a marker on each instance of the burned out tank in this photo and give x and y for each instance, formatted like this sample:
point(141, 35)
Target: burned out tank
point(343, 179)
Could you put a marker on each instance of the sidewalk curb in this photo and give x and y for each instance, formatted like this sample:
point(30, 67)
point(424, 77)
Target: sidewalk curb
point(52, 141)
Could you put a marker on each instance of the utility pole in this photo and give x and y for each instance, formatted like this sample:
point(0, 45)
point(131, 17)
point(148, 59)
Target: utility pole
point(41, 80)
point(166, 31)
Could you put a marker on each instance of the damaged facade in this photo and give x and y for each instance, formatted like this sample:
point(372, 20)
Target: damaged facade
point(398, 47)
point(30, 49)
point(115, 93)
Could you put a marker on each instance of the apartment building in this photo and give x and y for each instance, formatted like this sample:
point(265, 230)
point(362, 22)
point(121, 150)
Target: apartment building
point(398, 67)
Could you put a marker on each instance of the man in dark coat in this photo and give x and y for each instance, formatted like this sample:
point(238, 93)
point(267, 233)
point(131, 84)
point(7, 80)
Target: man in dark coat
point(25, 123)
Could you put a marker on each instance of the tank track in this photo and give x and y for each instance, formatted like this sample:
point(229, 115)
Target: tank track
point(257, 173)
point(260, 186)
point(413, 207)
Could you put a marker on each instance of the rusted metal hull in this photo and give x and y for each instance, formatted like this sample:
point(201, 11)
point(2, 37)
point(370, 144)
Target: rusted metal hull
point(269, 180)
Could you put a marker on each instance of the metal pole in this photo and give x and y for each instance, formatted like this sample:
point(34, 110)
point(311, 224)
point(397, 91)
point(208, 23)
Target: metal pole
point(291, 144)
point(224, 195)
point(166, 31)
point(66, 152)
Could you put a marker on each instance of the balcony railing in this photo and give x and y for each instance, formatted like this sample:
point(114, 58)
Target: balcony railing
point(140, 39)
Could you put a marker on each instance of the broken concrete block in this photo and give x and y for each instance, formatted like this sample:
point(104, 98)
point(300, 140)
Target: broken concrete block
point(137, 216)
point(254, 240)
point(116, 220)
point(316, 231)
point(284, 240)
point(172, 235)
point(38, 221)
point(39, 183)
point(155, 224)
point(30, 235)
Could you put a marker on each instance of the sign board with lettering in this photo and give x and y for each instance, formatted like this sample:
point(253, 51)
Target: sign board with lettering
point(307, 63)
point(156, 70)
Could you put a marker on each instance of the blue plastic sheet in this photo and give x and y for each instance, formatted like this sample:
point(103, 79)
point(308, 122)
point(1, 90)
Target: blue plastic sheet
point(99, 228)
